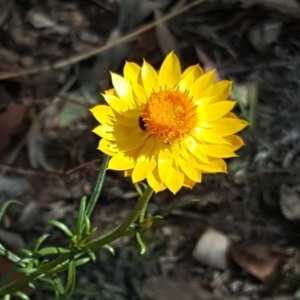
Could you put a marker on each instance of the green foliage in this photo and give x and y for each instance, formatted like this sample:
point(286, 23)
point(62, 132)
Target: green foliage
point(43, 265)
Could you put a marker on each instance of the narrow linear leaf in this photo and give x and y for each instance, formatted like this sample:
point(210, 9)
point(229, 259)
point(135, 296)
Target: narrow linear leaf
point(81, 217)
point(109, 248)
point(138, 189)
point(57, 285)
point(92, 255)
point(87, 226)
point(31, 285)
point(62, 227)
point(21, 295)
point(71, 279)
point(141, 243)
point(98, 187)
point(25, 252)
point(5, 205)
point(52, 250)
point(39, 242)
point(26, 271)
point(82, 261)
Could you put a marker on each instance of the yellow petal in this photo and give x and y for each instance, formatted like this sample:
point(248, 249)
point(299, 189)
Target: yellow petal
point(122, 86)
point(176, 154)
point(105, 131)
point(122, 161)
point(193, 146)
point(155, 182)
point(227, 126)
point(174, 180)
point(220, 90)
point(215, 111)
point(169, 73)
point(186, 82)
point(121, 119)
point(140, 96)
point(103, 114)
point(110, 92)
point(145, 163)
point(209, 136)
point(149, 78)
point(196, 70)
point(203, 102)
point(216, 165)
point(189, 183)
point(164, 163)
point(131, 71)
point(235, 142)
point(108, 147)
point(189, 170)
point(131, 141)
point(202, 83)
point(117, 104)
point(220, 151)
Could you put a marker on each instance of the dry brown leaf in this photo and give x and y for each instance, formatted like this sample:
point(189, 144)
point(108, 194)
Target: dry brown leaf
point(259, 260)
point(9, 121)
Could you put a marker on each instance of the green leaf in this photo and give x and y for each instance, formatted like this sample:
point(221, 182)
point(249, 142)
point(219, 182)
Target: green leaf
point(40, 241)
point(26, 270)
point(109, 248)
point(59, 289)
point(98, 186)
point(81, 217)
point(62, 227)
point(138, 189)
point(51, 250)
point(21, 295)
point(141, 243)
point(31, 285)
point(7, 297)
point(92, 255)
point(71, 278)
point(87, 225)
point(5, 205)
point(82, 261)
point(27, 260)
point(27, 253)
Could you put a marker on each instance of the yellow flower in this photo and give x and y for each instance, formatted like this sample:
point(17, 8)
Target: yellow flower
point(167, 127)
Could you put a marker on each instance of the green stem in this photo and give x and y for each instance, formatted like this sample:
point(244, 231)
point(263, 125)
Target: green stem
point(98, 187)
point(19, 284)
point(121, 230)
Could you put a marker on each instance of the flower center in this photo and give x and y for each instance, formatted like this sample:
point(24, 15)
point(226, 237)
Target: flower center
point(169, 115)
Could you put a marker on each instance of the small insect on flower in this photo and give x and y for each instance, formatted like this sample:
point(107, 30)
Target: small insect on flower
point(168, 127)
point(142, 123)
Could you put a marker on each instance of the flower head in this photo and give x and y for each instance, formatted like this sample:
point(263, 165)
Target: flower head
point(167, 127)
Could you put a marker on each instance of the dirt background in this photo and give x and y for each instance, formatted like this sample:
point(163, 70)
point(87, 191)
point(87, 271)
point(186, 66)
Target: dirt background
point(246, 222)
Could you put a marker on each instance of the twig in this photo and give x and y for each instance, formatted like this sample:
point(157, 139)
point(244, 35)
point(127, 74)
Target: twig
point(79, 57)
